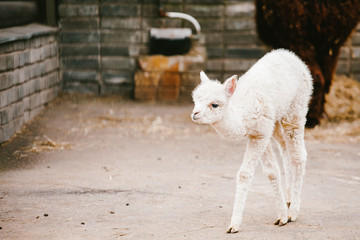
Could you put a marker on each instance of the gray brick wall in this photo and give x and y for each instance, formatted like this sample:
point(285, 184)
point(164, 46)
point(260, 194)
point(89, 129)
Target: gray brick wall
point(350, 60)
point(29, 75)
point(100, 41)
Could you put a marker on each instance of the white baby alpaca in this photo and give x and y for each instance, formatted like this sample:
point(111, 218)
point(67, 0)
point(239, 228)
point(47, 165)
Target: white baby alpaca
point(268, 101)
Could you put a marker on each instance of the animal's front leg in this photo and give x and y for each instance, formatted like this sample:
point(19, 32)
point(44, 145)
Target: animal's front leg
point(254, 150)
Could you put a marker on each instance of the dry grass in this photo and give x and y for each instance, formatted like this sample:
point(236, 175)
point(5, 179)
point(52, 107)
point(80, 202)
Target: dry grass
point(342, 107)
point(343, 101)
point(343, 131)
point(48, 145)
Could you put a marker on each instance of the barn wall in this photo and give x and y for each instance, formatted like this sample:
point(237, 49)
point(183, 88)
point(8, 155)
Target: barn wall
point(101, 40)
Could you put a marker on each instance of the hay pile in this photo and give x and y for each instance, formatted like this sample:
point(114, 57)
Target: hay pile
point(342, 123)
point(343, 101)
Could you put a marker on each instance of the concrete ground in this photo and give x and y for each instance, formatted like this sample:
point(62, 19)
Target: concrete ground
point(104, 168)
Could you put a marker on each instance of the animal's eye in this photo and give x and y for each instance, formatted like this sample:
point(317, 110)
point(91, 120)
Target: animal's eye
point(214, 105)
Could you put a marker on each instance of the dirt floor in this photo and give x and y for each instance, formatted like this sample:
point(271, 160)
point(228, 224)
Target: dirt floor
point(105, 168)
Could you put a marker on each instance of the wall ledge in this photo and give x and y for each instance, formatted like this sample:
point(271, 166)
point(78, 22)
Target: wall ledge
point(25, 32)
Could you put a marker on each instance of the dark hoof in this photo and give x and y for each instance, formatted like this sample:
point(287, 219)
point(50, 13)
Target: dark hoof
point(231, 230)
point(278, 222)
point(282, 224)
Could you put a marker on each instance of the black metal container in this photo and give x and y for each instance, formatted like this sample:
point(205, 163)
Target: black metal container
point(170, 41)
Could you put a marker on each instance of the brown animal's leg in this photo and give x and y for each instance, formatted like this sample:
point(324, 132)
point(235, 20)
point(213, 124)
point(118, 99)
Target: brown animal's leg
point(328, 67)
point(316, 107)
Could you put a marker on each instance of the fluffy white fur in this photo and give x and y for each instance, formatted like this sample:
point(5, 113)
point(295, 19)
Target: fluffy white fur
point(268, 101)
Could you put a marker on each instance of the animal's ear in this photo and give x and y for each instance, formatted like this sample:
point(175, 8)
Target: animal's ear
point(203, 77)
point(230, 85)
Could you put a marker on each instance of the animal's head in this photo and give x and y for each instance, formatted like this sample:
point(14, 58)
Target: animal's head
point(211, 99)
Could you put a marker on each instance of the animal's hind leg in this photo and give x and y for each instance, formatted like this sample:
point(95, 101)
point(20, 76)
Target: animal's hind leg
point(294, 134)
point(272, 170)
point(279, 137)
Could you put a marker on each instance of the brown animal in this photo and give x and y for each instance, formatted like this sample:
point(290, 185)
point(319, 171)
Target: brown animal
point(315, 30)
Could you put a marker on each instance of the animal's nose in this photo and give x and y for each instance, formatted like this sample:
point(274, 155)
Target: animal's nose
point(194, 115)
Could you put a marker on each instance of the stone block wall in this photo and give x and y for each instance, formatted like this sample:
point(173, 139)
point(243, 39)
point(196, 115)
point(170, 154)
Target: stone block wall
point(101, 40)
point(29, 74)
point(349, 59)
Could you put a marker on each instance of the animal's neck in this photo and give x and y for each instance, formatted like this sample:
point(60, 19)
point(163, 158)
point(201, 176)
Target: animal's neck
point(231, 126)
